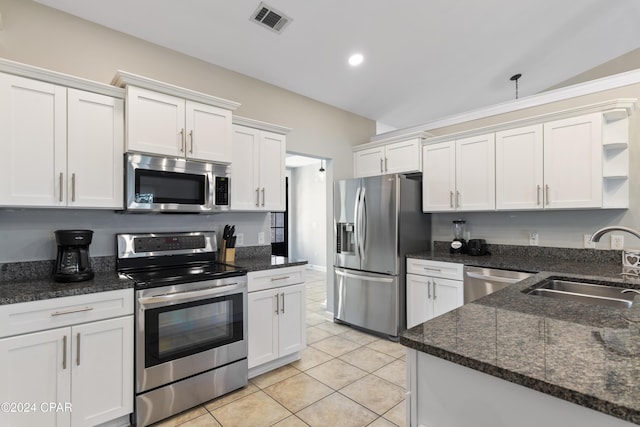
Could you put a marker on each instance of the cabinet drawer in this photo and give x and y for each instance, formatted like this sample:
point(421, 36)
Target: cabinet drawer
point(275, 278)
point(51, 313)
point(445, 270)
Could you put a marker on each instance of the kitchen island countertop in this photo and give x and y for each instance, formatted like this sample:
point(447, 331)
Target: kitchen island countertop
point(585, 354)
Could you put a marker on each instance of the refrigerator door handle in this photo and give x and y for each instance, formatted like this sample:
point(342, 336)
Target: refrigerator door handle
point(362, 224)
point(363, 277)
point(356, 218)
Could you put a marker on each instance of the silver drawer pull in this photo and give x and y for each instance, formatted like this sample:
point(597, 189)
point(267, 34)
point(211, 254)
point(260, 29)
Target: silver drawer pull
point(71, 311)
point(433, 269)
point(273, 279)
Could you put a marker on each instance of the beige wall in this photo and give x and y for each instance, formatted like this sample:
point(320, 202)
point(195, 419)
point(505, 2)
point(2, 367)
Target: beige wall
point(44, 37)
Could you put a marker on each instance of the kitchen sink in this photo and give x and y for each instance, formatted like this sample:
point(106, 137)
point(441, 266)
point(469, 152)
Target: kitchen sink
point(588, 293)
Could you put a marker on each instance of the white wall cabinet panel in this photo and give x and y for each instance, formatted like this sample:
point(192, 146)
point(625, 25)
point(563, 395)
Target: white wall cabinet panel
point(163, 124)
point(258, 170)
point(33, 133)
point(63, 146)
point(397, 157)
point(519, 168)
point(573, 162)
point(94, 151)
point(439, 177)
point(475, 173)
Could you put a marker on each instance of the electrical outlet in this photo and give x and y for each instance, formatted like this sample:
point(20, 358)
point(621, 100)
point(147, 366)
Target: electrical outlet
point(588, 244)
point(261, 238)
point(533, 238)
point(239, 239)
point(617, 241)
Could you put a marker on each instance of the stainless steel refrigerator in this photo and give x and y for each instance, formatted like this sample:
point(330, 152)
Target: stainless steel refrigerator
point(377, 221)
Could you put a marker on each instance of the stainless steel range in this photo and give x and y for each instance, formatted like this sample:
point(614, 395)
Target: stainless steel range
point(191, 321)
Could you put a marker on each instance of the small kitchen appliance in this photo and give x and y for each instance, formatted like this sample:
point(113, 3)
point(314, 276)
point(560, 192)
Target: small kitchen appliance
point(458, 244)
point(73, 263)
point(477, 247)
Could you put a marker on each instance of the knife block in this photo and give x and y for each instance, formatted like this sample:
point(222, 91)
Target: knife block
point(226, 254)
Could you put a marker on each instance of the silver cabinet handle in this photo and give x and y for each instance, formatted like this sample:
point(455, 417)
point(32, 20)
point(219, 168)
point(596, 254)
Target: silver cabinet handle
point(282, 311)
point(263, 197)
point(386, 169)
point(257, 197)
point(546, 195)
point(78, 350)
point(451, 198)
point(73, 187)
point(273, 279)
point(457, 199)
point(71, 311)
point(191, 140)
point(277, 303)
point(61, 179)
point(434, 289)
point(433, 269)
point(538, 195)
point(428, 289)
point(182, 140)
point(381, 169)
point(64, 352)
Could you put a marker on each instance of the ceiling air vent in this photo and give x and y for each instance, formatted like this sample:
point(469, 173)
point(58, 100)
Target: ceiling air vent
point(270, 18)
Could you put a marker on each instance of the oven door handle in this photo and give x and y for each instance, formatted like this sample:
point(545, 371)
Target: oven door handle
point(182, 295)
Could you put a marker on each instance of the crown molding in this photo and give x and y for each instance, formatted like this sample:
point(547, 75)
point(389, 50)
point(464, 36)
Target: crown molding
point(124, 78)
point(257, 124)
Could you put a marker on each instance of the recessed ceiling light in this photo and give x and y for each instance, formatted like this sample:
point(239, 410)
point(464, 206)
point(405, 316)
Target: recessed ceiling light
point(356, 59)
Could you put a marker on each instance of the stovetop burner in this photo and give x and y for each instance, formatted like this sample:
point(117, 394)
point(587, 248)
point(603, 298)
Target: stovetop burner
point(162, 259)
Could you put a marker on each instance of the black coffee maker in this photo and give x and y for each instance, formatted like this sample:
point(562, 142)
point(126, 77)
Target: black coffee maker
point(73, 263)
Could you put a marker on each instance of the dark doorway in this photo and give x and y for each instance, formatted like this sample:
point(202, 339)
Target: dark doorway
point(280, 227)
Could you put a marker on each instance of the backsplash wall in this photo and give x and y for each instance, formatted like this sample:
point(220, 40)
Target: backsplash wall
point(27, 234)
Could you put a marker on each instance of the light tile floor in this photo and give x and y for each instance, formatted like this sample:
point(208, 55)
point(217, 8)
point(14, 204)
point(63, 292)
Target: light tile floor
point(344, 378)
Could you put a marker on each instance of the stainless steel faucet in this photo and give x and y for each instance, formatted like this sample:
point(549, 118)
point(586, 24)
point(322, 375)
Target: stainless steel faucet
point(595, 237)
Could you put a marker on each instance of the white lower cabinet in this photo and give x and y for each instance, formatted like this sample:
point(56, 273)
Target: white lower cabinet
point(78, 374)
point(433, 288)
point(277, 318)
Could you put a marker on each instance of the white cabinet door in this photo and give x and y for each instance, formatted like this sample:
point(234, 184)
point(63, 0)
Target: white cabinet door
point(95, 149)
point(272, 171)
point(403, 157)
point(369, 162)
point(155, 122)
point(519, 166)
point(33, 135)
point(245, 191)
point(36, 368)
point(475, 173)
point(292, 319)
point(573, 162)
point(419, 305)
point(102, 377)
point(447, 295)
point(262, 327)
point(439, 177)
point(208, 132)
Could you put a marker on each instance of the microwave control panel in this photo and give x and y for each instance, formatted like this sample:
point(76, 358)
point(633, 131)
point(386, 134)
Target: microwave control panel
point(222, 190)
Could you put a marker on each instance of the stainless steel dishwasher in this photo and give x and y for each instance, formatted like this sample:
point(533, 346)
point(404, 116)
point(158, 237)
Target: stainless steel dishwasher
point(481, 281)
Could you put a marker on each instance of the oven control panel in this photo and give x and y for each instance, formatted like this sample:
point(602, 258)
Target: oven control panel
point(168, 243)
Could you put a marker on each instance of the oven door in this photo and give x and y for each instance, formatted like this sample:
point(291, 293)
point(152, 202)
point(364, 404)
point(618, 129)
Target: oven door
point(188, 329)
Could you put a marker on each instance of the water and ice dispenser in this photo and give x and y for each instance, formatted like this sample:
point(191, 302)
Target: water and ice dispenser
point(346, 242)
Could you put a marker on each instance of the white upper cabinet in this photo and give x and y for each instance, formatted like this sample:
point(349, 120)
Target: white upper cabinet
point(519, 168)
point(395, 157)
point(258, 167)
point(172, 121)
point(63, 147)
point(459, 175)
point(573, 162)
point(162, 124)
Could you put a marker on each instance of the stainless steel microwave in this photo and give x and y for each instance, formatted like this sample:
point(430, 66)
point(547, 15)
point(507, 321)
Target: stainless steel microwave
point(164, 184)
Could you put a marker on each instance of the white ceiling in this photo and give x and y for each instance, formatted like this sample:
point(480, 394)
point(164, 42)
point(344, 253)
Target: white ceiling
point(424, 59)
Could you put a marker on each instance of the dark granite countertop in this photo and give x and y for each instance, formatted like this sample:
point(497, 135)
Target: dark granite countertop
point(585, 354)
point(31, 281)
